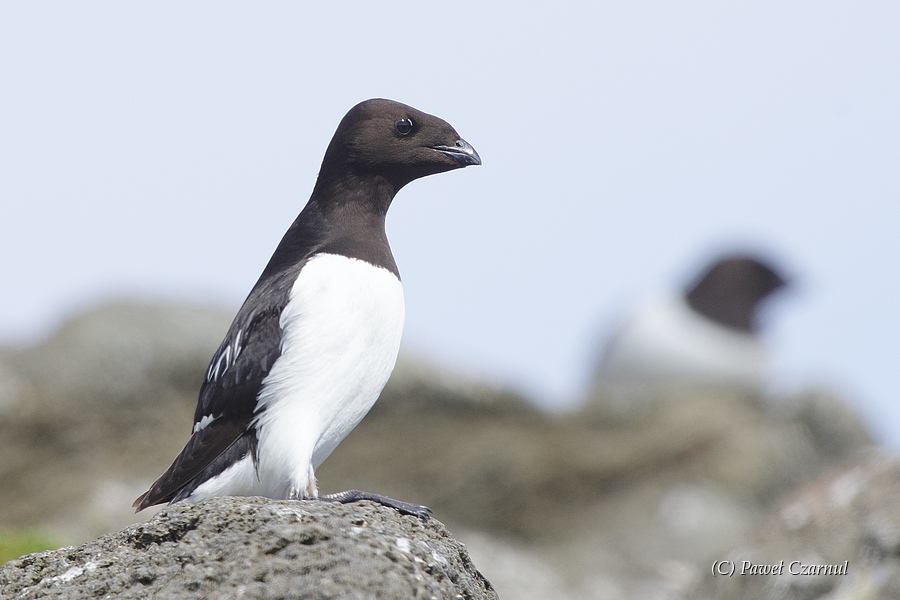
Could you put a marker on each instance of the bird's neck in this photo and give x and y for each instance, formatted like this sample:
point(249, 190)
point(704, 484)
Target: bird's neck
point(343, 217)
point(362, 191)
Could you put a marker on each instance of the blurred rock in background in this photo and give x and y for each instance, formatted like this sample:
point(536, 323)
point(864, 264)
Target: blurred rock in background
point(631, 496)
point(87, 414)
point(847, 516)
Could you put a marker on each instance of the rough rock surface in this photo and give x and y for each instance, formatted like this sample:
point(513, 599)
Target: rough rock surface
point(628, 497)
point(257, 548)
point(617, 506)
point(850, 514)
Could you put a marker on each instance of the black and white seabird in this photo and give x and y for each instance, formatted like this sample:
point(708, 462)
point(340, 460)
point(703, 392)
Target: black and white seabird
point(317, 338)
point(708, 334)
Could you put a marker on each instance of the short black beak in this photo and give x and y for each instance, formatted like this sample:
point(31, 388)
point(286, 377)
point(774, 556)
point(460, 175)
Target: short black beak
point(462, 152)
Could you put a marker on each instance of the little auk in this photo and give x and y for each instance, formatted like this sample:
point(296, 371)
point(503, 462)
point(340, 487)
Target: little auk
point(317, 338)
point(707, 334)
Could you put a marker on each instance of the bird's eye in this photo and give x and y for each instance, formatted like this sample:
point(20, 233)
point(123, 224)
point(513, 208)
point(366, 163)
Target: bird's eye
point(403, 126)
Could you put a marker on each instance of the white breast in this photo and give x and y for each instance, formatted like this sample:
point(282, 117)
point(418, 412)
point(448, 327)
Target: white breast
point(665, 339)
point(341, 335)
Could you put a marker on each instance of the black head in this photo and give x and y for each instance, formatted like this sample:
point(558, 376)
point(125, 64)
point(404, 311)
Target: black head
point(394, 142)
point(730, 290)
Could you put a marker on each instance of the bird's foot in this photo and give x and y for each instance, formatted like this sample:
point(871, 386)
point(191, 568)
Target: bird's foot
point(404, 508)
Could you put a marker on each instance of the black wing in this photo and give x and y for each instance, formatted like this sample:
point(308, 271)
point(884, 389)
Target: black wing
point(223, 429)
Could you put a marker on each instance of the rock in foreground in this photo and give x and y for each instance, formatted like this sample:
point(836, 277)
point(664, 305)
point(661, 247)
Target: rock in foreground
point(257, 548)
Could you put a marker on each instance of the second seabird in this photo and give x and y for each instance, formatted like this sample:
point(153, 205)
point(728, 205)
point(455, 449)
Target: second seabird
point(317, 338)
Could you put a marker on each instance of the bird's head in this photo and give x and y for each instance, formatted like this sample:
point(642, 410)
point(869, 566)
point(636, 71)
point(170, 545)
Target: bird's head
point(387, 139)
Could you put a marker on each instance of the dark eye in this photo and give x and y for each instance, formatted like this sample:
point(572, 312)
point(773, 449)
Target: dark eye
point(403, 126)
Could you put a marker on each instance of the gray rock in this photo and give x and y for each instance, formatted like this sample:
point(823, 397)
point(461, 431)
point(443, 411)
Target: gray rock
point(257, 548)
point(836, 430)
point(95, 412)
point(505, 467)
point(628, 497)
point(115, 350)
point(848, 516)
point(631, 505)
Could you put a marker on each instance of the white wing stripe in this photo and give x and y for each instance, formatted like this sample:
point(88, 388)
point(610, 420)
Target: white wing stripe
point(218, 367)
point(202, 423)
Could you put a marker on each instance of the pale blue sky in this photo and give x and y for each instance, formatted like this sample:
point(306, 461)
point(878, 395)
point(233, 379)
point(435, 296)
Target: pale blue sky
point(161, 149)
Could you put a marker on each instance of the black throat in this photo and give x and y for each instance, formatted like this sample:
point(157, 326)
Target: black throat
point(343, 216)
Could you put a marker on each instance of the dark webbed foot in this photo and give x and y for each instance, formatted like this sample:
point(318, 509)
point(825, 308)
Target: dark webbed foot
point(404, 508)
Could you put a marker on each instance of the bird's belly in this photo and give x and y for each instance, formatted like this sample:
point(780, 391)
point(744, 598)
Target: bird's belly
point(341, 335)
point(668, 340)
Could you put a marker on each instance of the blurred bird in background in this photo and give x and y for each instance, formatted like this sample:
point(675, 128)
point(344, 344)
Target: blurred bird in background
point(707, 333)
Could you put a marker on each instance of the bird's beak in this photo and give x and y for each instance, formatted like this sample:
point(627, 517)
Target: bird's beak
point(462, 152)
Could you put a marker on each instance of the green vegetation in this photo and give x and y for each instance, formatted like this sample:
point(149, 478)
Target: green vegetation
point(15, 543)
